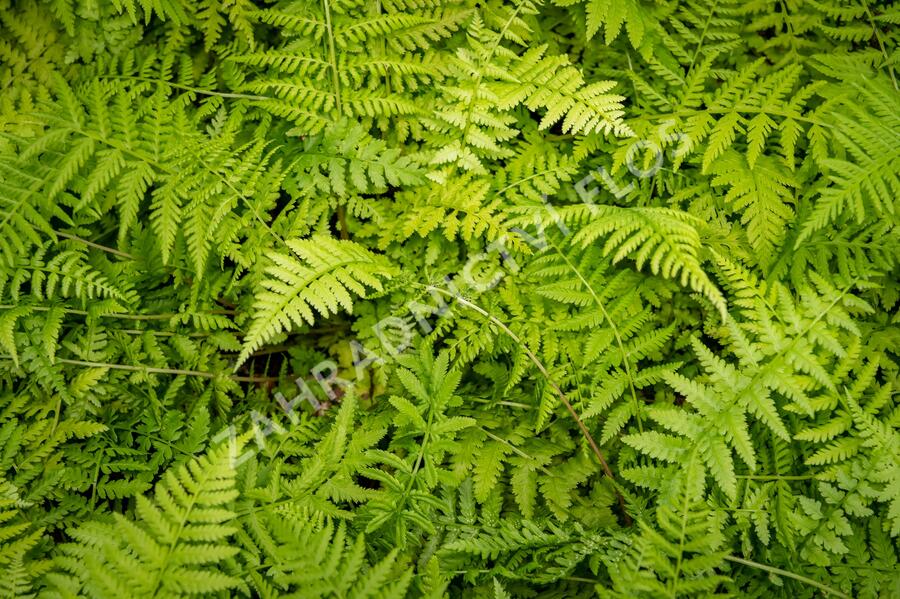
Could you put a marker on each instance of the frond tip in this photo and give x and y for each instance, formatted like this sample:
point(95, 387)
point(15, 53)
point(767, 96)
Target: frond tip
point(318, 276)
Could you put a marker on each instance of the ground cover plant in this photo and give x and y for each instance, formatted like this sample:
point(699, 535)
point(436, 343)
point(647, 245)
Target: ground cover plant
point(449, 298)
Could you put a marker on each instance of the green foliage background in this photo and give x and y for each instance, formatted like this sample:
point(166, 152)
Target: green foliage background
point(680, 381)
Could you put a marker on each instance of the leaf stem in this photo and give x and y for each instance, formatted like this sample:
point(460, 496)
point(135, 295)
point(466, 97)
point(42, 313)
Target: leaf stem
point(787, 574)
point(153, 370)
point(96, 245)
point(114, 315)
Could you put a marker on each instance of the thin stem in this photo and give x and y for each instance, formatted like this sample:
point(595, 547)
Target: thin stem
point(196, 90)
point(529, 177)
point(95, 245)
point(158, 333)
point(336, 85)
point(152, 370)
point(786, 574)
point(153, 437)
point(712, 12)
point(511, 404)
point(332, 59)
point(114, 315)
point(342, 222)
point(513, 448)
point(685, 504)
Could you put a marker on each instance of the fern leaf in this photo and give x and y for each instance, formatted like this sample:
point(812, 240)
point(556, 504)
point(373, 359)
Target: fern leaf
point(318, 276)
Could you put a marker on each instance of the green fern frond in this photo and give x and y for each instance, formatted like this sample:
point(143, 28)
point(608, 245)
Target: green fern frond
point(679, 554)
point(178, 544)
point(324, 561)
point(318, 276)
point(762, 193)
point(449, 298)
point(665, 239)
point(345, 160)
point(865, 186)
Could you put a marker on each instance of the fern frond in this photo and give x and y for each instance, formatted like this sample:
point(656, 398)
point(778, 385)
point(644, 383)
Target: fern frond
point(762, 193)
point(318, 276)
point(865, 186)
point(665, 239)
point(176, 546)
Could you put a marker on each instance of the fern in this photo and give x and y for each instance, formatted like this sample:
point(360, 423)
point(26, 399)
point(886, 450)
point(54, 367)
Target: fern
point(323, 562)
point(664, 239)
point(319, 276)
point(427, 298)
point(345, 160)
point(680, 557)
point(862, 187)
point(610, 18)
point(763, 194)
point(174, 548)
point(719, 425)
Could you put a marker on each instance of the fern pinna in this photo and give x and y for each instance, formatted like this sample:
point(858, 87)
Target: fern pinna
point(449, 298)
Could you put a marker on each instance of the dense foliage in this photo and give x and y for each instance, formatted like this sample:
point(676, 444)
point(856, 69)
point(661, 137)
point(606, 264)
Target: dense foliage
point(496, 298)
